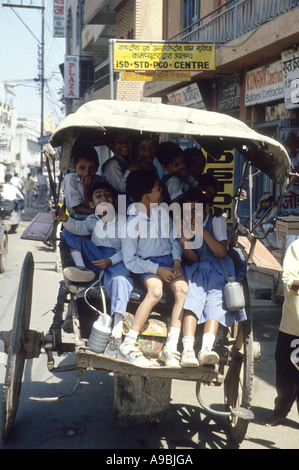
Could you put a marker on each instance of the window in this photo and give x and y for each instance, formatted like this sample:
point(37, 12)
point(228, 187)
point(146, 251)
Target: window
point(191, 12)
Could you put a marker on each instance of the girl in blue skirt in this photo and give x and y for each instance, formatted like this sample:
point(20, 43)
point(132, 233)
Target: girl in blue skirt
point(206, 277)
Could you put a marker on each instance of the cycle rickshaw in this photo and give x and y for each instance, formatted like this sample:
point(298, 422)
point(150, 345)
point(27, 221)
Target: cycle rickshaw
point(236, 347)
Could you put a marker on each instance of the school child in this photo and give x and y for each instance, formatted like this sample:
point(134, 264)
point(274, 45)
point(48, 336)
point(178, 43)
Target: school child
point(115, 170)
point(206, 276)
point(154, 255)
point(171, 159)
point(101, 251)
point(85, 164)
point(195, 163)
point(143, 153)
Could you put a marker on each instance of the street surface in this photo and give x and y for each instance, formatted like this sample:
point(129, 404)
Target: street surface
point(84, 421)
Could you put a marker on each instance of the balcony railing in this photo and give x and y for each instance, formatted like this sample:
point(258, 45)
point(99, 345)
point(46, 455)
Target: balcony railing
point(227, 23)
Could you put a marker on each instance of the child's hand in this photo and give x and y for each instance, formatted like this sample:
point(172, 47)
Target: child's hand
point(87, 181)
point(103, 263)
point(177, 270)
point(59, 214)
point(166, 274)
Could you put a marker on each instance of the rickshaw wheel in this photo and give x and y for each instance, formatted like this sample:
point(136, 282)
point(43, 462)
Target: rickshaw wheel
point(16, 352)
point(239, 377)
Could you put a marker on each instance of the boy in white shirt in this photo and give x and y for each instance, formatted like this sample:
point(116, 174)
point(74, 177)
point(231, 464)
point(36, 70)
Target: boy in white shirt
point(102, 250)
point(150, 251)
point(85, 164)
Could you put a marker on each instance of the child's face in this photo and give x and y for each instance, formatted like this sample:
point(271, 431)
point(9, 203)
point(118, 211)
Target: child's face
point(146, 151)
point(122, 146)
point(101, 197)
point(85, 169)
point(176, 166)
point(195, 165)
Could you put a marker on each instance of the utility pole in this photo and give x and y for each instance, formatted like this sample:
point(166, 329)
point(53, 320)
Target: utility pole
point(42, 8)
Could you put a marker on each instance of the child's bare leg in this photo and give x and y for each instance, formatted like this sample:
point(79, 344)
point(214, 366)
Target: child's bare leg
point(170, 354)
point(127, 349)
point(154, 287)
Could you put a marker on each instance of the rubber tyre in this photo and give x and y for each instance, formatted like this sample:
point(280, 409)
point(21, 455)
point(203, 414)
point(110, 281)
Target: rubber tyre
point(16, 353)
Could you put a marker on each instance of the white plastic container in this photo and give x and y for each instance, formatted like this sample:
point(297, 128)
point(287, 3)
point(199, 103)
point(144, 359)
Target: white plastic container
point(233, 295)
point(100, 333)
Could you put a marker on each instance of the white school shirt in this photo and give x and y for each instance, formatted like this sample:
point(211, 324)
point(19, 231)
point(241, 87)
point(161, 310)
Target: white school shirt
point(116, 173)
point(106, 235)
point(73, 191)
point(148, 237)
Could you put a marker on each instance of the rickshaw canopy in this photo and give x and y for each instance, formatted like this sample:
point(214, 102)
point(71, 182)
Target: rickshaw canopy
point(215, 132)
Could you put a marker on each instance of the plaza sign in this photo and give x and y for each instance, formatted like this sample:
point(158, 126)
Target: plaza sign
point(163, 56)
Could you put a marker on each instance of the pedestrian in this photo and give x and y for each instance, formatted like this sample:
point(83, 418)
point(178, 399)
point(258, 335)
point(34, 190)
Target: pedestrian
point(12, 193)
point(42, 184)
point(287, 347)
point(28, 188)
point(17, 182)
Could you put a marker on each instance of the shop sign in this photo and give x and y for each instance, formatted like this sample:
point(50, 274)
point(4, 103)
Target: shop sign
point(290, 67)
point(223, 170)
point(228, 95)
point(264, 84)
point(59, 18)
point(187, 96)
point(156, 76)
point(163, 56)
point(71, 77)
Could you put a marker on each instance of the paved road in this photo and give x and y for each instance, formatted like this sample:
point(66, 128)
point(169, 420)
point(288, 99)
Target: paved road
point(85, 420)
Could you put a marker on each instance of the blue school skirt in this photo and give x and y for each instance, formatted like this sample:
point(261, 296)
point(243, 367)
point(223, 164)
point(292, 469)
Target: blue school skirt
point(206, 280)
point(118, 282)
point(163, 261)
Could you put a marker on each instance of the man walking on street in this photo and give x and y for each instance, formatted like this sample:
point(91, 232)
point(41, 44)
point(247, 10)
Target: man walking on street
point(287, 348)
point(42, 187)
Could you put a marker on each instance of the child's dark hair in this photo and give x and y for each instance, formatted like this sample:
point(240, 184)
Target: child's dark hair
point(167, 152)
point(100, 185)
point(140, 182)
point(85, 151)
point(194, 194)
point(206, 179)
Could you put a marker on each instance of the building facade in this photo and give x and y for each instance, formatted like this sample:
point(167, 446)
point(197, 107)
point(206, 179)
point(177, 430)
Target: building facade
point(257, 69)
point(256, 75)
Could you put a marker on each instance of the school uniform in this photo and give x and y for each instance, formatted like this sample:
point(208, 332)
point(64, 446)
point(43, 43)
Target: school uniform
point(207, 277)
point(96, 240)
point(115, 172)
point(176, 185)
point(73, 191)
point(149, 242)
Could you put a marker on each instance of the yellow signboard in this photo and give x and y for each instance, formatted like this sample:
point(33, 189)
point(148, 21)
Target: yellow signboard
point(156, 76)
point(163, 56)
point(223, 170)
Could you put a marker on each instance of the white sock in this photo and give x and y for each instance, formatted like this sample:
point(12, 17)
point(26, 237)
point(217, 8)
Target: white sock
point(188, 343)
point(130, 340)
point(77, 258)
point(117, 329)
point(208, 340)
point(173, 337)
